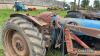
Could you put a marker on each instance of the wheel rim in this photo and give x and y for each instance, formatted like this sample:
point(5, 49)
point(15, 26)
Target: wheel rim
point(15, 43)
point(19, 44)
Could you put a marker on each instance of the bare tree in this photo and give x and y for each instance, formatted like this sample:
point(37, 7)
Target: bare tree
point(78, 4)
point(85, 4)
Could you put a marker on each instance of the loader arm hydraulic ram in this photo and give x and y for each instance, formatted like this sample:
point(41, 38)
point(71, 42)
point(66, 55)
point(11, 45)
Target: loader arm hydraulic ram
point(69, 37)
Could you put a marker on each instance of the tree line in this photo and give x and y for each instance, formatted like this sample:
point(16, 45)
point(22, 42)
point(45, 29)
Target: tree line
point(84, 4)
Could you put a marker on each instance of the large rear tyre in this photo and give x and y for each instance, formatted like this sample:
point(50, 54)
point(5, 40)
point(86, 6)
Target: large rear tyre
point(22, 38)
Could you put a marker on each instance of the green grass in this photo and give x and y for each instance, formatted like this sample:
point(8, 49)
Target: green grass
point(1, 52)
point(5, 13)
point(56, 52)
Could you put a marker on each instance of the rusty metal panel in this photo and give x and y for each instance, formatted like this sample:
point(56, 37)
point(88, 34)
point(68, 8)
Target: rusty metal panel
point(86, 49)
point(46, 16)
point(68, 39)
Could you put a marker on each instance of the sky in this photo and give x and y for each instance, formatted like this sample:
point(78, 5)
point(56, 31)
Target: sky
point(68, 1)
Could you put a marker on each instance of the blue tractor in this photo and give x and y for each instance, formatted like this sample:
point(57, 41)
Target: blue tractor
point(81, 22)
point(19, 6)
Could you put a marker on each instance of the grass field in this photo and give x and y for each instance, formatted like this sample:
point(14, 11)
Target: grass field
point(5, 13)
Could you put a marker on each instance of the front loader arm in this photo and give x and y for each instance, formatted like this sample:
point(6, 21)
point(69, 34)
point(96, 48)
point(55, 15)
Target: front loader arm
point(69, 36)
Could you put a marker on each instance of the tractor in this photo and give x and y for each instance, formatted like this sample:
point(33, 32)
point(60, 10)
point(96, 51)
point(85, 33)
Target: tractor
point(25, 35)
point(84, 14)
point(19, 6)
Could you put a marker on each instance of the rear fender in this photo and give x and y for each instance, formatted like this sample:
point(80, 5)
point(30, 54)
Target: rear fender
point(29, 18)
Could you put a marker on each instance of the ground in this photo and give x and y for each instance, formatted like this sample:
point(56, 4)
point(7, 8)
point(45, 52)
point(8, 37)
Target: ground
point(5, 13)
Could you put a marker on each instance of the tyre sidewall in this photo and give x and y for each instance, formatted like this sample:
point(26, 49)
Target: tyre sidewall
point(20, 31)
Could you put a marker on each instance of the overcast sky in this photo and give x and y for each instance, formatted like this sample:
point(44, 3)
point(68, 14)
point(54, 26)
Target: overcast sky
point(68, 1)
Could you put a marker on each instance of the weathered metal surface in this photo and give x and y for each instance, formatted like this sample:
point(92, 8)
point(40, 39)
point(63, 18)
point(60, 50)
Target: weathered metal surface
point(46, 16)
point(75, 51)
point(34, 19)
point(38, 21)
point(79, 41)
point(68, 39)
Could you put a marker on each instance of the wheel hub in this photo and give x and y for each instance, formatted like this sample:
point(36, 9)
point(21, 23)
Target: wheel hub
point(19, 45)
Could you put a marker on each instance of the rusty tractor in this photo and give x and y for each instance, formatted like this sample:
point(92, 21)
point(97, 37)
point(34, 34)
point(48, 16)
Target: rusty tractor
point(25, 35)
point(84, 14)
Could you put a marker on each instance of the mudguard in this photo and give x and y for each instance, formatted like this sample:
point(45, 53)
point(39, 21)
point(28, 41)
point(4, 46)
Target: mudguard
point(33, 19)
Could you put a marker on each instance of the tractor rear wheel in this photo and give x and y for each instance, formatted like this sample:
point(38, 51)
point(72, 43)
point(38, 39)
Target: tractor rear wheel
point(22, 38)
